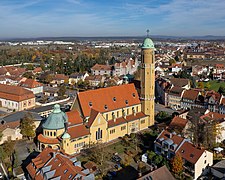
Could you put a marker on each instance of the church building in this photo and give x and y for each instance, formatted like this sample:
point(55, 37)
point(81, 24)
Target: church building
point(104, 114)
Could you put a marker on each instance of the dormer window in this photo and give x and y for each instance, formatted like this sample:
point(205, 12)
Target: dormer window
point(133, 94)
point(182, 151)
point(65, 171)
point(126, 101)
point(90, 104)
point(114, 99)
point(70, 176)
point(191, 155)
point(106, 107)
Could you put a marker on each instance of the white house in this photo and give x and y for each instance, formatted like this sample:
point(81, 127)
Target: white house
point(32, 85)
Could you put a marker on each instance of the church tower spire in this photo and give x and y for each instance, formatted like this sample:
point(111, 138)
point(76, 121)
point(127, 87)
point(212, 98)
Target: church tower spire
point(148, 78)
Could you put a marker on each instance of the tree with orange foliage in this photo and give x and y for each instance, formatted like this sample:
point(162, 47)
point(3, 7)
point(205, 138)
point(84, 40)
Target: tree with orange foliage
point(177, 164)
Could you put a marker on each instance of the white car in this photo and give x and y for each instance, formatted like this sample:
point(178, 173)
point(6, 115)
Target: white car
point(1, 175)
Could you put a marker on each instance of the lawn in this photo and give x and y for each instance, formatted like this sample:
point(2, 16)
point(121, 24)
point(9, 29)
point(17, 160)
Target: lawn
point(215, 84)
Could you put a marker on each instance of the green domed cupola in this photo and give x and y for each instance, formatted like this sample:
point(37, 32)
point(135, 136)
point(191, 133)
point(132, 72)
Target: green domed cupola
point(56, 120)
point(148, 43)
point(65, 136)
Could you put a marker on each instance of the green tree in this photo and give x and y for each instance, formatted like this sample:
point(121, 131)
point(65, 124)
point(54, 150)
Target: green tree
point(207, 85)
point(8, 147)
point(42, 65)
point(27, 126)
point(177, 164)
point(221, 90)
point(172, 61)
point(157, 159)
point(200, 85)
point(151, 154)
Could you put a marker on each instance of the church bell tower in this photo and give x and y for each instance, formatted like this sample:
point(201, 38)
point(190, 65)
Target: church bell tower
point(148, 79)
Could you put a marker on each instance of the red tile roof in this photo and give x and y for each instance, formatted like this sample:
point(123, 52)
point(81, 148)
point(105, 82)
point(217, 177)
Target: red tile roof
point(74, 118)
point(12, 125)
point(47, 140)
point(116, 122)
point(60, 164)
point(178, 122)
point(78, 131)
point(15, 93)
point(180, 82)
point(190, 153)
point(30, 83)
point(99, 67)
point(190, 94)
point(167, 135)
point(102, 99)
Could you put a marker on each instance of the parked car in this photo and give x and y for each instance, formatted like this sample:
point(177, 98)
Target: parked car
point(116, 158)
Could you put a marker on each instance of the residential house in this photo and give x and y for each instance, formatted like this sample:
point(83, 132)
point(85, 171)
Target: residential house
point(176, 68)
point(128, 66)
point(37, 70)
point(196, 160)
point(192, 98)
point(198, 70)
point(101, 69)
point(16, 98)
point(212, 100)
point(219, 121)
point(95, 80)
point(75, 77)
point(59, 79)
point(161, 173)
point(10, 124)
point(52, 164)
point(218, 170)
point(222, 106)
point(179, 124)
point(174, 97)
point(181, 82)
point(32, 85)
point(50, 91)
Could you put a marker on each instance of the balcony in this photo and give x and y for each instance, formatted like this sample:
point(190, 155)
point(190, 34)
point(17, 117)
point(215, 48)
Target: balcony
point(189, 170)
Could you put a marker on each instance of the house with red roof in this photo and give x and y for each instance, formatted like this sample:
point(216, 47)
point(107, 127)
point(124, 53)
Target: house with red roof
point(52, 164)
point(32, 85)
point(16, 98)
point(195, 160)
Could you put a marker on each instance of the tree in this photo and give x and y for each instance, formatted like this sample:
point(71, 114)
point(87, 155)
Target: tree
point(200, 85)
point(207, 86)
point(62, 90)
point(177, 164)
point(42, 65)
point(98, 153)
point(151, 155)
point(27, 126)
point(172, 61)
point(221, 90)
point(1, 135)
point(8, 147)
point(157, 159)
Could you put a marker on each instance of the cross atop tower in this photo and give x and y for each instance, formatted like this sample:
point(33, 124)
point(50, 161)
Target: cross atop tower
point(147, 32)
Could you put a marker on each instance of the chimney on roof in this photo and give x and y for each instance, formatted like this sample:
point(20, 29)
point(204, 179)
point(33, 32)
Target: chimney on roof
point(170, 135)
point(212, 115)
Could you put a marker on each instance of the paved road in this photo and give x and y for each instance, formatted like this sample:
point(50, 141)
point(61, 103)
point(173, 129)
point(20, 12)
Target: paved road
point(160, 107)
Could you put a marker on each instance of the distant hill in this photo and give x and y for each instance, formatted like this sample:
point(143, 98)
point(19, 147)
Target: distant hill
point(154, 37)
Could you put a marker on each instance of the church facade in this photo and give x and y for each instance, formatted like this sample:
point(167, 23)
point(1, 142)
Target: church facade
point(104, 114)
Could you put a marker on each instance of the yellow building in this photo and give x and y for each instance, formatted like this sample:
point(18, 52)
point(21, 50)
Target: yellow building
point(107, 113)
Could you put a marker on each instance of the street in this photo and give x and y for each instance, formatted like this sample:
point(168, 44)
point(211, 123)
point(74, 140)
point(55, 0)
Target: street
point(160, 107)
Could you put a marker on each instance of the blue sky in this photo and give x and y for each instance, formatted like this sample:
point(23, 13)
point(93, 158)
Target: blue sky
point(42, 18)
